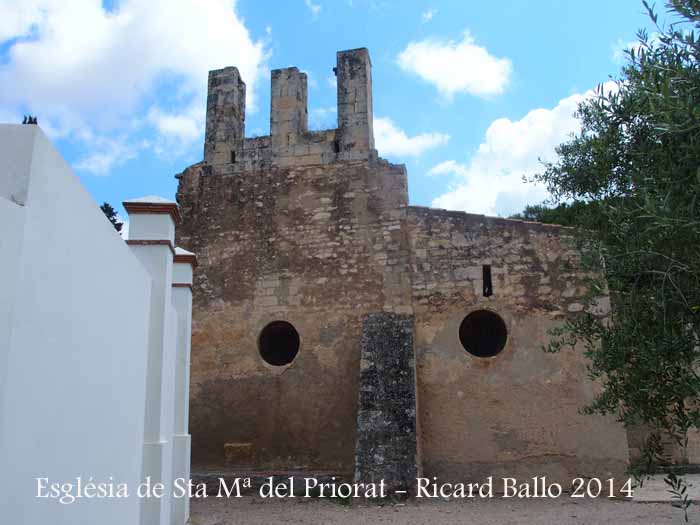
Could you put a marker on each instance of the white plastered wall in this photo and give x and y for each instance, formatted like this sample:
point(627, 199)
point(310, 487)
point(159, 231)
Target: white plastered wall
point(74, 314)
point(182, 302)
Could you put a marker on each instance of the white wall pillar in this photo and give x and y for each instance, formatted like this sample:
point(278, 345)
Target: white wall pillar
point(185, 263)
point(152, 223)
point(17, 143)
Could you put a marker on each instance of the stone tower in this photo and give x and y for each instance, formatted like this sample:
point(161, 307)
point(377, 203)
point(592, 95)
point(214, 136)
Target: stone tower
point(290, 143)
point(225, 127)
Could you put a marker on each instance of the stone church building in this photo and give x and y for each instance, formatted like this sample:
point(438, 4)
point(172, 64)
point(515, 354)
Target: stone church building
point(336, 328)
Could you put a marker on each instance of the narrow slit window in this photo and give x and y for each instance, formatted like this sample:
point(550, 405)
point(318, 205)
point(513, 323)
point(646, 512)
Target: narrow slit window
point(488, 283)
point(233, 157)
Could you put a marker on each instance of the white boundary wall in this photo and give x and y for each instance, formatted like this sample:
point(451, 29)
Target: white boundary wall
point(77, 344)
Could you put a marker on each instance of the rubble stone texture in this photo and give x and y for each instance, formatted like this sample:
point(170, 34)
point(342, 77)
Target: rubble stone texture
point(313, 228)
point(386, 420)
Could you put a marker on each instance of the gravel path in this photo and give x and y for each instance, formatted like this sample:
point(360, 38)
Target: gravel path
point(250, 510)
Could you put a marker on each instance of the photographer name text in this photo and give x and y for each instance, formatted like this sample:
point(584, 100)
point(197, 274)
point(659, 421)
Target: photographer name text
point(68, 492)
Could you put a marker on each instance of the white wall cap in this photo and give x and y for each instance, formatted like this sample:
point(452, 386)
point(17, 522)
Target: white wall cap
point(185, 263)
point(152, 218)
point(182, 256)
point(152, 199)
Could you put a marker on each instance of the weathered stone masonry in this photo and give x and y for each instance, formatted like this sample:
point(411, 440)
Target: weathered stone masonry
point(386, 420)
point(314, 229)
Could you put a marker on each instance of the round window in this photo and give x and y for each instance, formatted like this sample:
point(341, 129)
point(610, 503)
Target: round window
point(278, 343)
point(483, 333)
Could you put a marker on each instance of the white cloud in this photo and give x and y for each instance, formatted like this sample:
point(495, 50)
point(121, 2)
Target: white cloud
point(11, 116)
point(17, 20)
point(177, 131)
point(457, 67)
point(108, 153)
point(323, 118)
point(618, 50)
point(428, 15)
point(314, 8)
point(186, 126)
point(619, 56)
point(391, 140)
point(86, 71)
point(492, 181)
point(448, 167)
point(310, 79)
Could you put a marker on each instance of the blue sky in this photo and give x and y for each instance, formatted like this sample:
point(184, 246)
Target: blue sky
point(468, 94)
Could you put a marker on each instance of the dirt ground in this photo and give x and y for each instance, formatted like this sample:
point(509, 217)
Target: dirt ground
point(253, 510)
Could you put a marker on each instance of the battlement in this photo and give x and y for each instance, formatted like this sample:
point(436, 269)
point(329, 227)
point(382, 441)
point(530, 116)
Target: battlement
point(290, 143)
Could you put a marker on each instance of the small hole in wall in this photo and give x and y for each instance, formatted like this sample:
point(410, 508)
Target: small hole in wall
point(483, 333)
point(488, 283)
point(233, 157)
point(336, 146)
point(278, 343)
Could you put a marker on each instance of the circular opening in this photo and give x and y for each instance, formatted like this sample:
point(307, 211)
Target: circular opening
point(483, 333)
point(279, 343)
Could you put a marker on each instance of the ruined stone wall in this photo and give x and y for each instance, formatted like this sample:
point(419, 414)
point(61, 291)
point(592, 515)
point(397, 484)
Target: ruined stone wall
point(515, 414)
point(318, 246)
point(314, 229)
point(290, 143)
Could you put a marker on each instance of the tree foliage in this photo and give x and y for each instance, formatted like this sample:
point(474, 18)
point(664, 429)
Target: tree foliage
point(577, 213)
point(111, 214)
point(634, 171)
